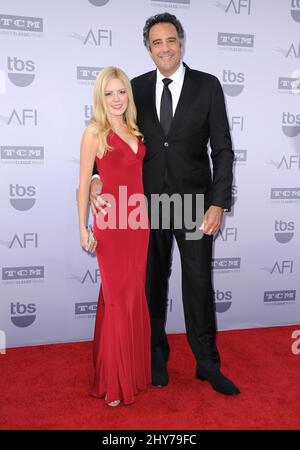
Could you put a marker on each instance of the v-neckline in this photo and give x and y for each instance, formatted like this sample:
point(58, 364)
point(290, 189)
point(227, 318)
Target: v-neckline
point(135, 153)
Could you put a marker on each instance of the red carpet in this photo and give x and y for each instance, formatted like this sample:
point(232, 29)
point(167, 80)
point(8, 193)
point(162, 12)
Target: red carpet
point(45, 387)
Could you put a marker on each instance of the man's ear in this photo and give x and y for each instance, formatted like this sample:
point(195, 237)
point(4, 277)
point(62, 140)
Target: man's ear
point(150, 53)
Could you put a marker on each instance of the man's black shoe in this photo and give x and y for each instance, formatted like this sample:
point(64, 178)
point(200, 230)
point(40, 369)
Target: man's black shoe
point(159, 370)
point(219, 382)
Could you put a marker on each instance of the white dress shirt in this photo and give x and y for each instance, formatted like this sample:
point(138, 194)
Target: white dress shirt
point(175, 87)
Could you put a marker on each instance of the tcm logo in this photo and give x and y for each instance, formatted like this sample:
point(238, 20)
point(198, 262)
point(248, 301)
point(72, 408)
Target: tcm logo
point(295, 10)
point(240, 156)
point(87, 73)
point(223, 300)
point(21, 23)
point(82, 309)
point(290, 124)
point(236, 40)
point(22, 154)
point(236, 6)
point(20, 72)
point(237, 123)
point(88, 112)
point(23, 315)
point(22, 273)
point(98, 2)
point(284, 231)
point(226, 263)
point(285, 194)
point(279, 296)
point(233, 82)
point(23, 117)
point(289, 85)
point(24, 241)
point(227, 234)
point(22, 197)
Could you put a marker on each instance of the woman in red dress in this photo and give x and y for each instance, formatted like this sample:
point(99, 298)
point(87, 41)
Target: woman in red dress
point(122, 329)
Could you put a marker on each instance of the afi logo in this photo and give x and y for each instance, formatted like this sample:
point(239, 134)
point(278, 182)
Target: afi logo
point(290, 162)
point(23, 117)
point(101, 37)
point(91, 278)
point(238, 6)
point(283, 267)
point(293, 51)
point(28, 239)
point(227, 234)
point(170, 304)
point(237, 122)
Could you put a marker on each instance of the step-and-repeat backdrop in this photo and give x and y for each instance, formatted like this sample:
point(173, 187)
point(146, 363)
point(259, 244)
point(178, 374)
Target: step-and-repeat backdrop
point(50, 55)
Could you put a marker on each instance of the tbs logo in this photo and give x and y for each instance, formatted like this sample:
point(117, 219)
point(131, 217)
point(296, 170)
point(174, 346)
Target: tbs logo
point(20, 72)
point(22, 198)
point(98, 2)
point(295, 10)
point(233, 82)
point(23, 315)
point(290, 124)
point(284, 231)
point(223, 300)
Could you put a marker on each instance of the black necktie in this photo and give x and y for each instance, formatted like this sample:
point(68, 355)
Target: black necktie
point(166, 109)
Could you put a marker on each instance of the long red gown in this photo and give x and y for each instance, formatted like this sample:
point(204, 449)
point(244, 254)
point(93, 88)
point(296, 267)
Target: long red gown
point(122, 328)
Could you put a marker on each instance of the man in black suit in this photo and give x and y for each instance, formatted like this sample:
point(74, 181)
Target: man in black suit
point(179, 111)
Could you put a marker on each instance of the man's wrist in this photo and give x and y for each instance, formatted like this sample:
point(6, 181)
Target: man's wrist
point(95, 176)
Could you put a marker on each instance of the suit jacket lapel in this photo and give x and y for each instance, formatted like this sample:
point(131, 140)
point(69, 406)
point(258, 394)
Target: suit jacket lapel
point(152, 100)
point(186, 97)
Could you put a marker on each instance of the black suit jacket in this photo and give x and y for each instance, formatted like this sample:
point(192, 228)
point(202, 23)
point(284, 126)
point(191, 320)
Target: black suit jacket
point(179, 162)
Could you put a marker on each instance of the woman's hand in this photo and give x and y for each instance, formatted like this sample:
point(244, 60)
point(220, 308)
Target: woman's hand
point(84, 241)
point(97, 202)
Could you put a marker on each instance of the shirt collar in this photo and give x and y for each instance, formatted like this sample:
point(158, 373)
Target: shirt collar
point(176, 76)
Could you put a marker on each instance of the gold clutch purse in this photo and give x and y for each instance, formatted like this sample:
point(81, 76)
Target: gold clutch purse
point(91, 241)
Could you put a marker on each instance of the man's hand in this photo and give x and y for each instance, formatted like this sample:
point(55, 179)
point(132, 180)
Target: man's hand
point(97, 203)
point(212, 220)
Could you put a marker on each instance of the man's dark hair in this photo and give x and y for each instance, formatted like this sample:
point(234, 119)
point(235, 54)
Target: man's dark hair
point(162, 18)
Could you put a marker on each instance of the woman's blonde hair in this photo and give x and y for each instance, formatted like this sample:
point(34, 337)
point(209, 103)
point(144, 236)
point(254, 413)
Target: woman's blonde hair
point(100, 121)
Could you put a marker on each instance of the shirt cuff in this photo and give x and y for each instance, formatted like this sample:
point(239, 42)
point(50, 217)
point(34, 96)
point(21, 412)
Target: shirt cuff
point(95, 176)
